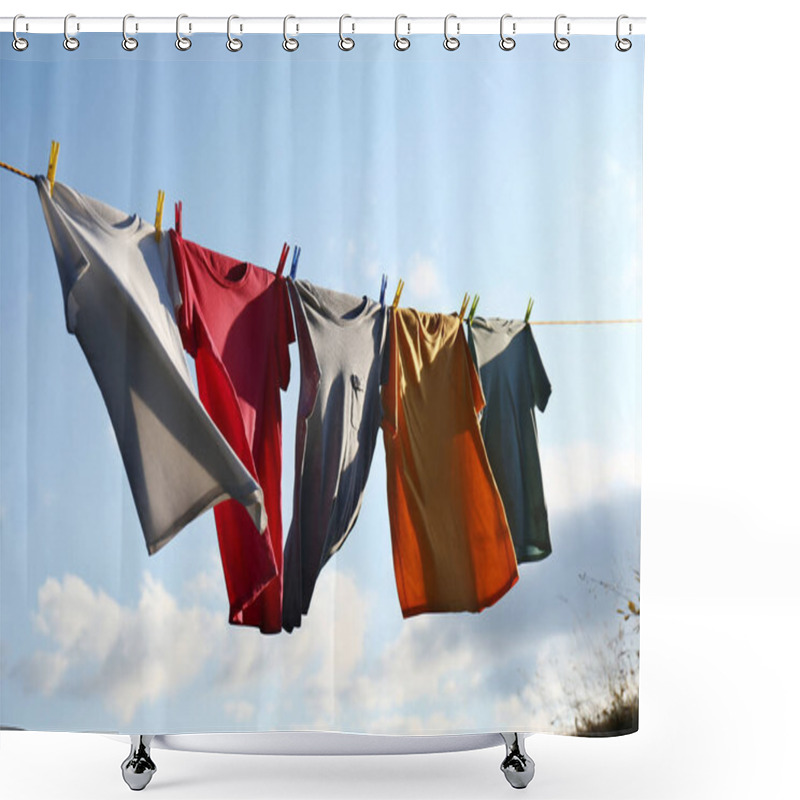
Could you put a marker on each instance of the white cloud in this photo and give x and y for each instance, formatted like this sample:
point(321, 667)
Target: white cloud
point(127, 655)
point(441, 673)
point(423, 278)
point(43, 672)
point(207, 587)
point(425, 665)
point(583, 473)
point(240, 710)
point(83, 622)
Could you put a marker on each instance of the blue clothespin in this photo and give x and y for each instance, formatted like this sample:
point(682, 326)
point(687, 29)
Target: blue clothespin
point(384, 281)
point(295, 259)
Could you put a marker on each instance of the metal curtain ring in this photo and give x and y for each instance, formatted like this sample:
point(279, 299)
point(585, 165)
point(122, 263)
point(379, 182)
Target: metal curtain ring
point(506, 42)
point(345, 42)
point(70, 42)
point(128, 42)
point(233, 44)
point(451, 42)
point(181, 42)
point(400, 42)
point(623, 45)
point(289, 44)
point(18, 43)
point(561, 43)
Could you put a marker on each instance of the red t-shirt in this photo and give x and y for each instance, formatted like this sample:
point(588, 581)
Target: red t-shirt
point(235, 321)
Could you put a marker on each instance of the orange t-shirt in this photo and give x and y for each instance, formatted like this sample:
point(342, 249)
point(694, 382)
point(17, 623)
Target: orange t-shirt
point(451, 543)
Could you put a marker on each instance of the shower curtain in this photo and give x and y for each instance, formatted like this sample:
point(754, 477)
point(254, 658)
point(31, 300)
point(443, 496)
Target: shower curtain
point(245, 486)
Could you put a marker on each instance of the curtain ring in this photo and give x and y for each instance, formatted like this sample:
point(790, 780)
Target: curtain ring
point(451, 42)
point(128, 42)
point(181, 42)
point(18, 43)
point(561, 43)
point(289, 44)
point(70, 42)
point(345, 42)
point(233, 44)
point(623, 45)
point(400, 42)
point(506, 42)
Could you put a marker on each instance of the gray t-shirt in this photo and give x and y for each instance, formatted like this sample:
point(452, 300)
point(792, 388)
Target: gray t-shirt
point(119, 291)
point(340, 341)
point(514, 381)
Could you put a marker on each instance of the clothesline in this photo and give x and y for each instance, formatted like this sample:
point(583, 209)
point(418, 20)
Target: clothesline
point(532, 322)
point(16, 171)
point(584, 321)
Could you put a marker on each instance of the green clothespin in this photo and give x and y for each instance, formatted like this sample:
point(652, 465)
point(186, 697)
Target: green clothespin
point(528, 310)
point(464, 304)
point(472, 309)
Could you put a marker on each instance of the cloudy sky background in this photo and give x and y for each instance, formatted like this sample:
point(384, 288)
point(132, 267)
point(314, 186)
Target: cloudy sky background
point(507, 174)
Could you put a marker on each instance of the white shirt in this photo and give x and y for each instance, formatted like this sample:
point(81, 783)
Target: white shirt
point(120, 290)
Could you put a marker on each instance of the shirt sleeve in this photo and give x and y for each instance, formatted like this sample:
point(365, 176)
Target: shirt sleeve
point(478, 400)
point(390, 377)
point(185, 312)
point(71, 260)
point(309, 365)
point(286, 333)
point(540, 383)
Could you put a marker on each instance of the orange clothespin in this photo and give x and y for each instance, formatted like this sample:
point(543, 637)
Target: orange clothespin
point(528, 310)
point(472, 309)
point(52, 164)
point(464, 304)
point(400, 285)
point(159, 213)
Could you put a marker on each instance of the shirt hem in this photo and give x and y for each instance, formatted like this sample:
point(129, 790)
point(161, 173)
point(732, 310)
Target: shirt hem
point(427, 608)
point(207, 501)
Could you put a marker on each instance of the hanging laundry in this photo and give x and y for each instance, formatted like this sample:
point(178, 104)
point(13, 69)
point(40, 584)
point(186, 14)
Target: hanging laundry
point(451, 545)
point(119, 289)
point(235, 320)
point(514, 382)
point(341, 345)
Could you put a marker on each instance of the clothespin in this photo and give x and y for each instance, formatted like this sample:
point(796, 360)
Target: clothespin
point(295, 259)
point(384, 281)
point(397, 294)
point(464, 304)
point(282, 262)
point(528, 310)
point(159, 213)
point(52, 164)
point(179, 217)
point(472, 309)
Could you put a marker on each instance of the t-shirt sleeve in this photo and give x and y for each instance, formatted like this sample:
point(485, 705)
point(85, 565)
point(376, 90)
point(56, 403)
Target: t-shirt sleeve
point(540, 383)
point(478, 400)
point(71, 260)
point(286, 333)
point(309, 365)
point(390, 377)
point(170, 275)
point(185, 313)
point(473, 354)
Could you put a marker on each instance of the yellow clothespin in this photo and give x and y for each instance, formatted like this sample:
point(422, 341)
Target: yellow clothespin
point(159, 213)
point(52, 164)
point(397, 294)
point(472, 309)
point(464, 304)
point(528, 310)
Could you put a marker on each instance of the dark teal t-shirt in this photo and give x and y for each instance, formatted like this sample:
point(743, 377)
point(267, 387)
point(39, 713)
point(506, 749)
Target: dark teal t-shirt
point(514, 383)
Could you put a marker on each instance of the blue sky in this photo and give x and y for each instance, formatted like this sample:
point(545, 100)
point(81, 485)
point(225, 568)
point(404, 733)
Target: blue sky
point(507, 174)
